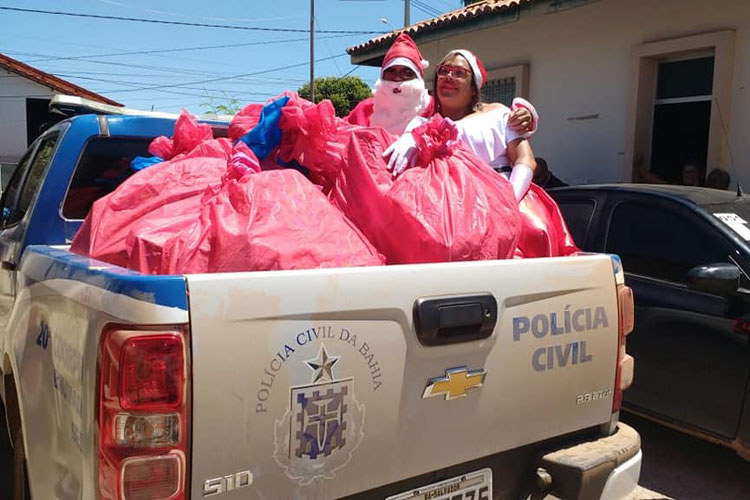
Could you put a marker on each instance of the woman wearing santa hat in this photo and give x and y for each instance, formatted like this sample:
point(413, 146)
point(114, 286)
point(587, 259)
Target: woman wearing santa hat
point(400, 93)
point(484, 128)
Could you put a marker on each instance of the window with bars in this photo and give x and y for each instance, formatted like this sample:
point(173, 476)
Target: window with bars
point(501, 90)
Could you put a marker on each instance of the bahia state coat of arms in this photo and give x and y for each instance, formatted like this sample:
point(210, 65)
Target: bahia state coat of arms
point(322, 426)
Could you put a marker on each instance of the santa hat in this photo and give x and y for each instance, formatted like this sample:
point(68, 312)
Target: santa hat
point(404, 52)
point(477, 68)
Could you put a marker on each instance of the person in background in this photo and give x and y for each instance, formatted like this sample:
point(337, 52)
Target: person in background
point(400, 93)
point(718, 179)
point(691, 174)
point(543, 177)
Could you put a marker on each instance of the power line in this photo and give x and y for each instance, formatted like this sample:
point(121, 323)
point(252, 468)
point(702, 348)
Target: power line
point(64, 73)
point(163, 69)
point(159, 68)
point(328, 47)
point(180, 23)
point(427, 9)
point(138, 84)
point(211, 80)
point(164, 51)
point(451, 5)
point(355, 68)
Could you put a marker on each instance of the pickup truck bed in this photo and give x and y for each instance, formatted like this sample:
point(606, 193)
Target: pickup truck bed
point(453, 380)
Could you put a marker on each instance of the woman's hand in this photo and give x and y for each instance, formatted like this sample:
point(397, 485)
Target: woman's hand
point(520, 120)
point(523, 117)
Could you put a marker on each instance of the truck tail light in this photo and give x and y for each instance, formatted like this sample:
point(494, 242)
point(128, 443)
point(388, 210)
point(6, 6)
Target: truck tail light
point(625, 362)
point(143, 418)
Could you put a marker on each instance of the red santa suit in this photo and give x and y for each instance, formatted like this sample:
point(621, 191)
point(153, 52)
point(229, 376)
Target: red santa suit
point(395, 104)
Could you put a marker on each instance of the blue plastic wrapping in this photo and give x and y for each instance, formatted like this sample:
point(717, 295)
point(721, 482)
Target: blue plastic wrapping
point(266, 135)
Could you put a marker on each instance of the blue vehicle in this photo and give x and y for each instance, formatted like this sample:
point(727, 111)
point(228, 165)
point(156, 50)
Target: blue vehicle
point(488, 379)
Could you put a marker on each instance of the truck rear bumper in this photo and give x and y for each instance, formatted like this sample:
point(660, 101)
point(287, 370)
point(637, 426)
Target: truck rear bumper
point(623, 480)
point(604, 468)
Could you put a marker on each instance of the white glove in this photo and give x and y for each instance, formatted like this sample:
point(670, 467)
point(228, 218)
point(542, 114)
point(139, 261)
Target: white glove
point(416, 122)
point(520, 179)
point(402, 154)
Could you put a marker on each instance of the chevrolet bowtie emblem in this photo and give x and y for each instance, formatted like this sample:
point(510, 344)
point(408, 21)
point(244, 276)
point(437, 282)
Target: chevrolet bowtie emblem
point(455, 383)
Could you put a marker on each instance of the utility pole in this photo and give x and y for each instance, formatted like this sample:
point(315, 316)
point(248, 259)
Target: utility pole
point(407, 21)
point(312, 50)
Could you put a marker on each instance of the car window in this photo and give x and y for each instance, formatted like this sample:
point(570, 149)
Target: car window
point(104, 165)
point(10, 195)
point(38, 168)
point(577, 214)
point(27, 180)
point(661, 243)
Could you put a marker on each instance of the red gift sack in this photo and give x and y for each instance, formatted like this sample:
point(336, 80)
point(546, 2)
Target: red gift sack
point(543, 229)
point(154, 202)
point(271, 220)
point(316, 138)
point(451, 206)
point(188, 134)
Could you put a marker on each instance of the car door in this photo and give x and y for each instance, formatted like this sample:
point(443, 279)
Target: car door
point(691, 367)
point(14, 204)
point(579, 212)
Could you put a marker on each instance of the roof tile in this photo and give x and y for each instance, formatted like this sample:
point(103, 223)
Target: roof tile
point(458, 16)
point(51, 81)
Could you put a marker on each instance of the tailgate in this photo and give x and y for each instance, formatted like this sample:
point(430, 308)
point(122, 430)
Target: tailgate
point(315, 383)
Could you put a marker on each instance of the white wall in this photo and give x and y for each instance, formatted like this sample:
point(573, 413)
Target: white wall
point(579, 63)
point(13, 113)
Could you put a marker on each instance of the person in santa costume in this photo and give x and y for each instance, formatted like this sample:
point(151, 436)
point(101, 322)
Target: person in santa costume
point(400, 94)
point(485, 129)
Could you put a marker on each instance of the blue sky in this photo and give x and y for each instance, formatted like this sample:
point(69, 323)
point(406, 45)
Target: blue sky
point(85, 50)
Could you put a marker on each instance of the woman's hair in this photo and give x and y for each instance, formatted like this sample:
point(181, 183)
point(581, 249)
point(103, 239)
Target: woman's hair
point(476, 101)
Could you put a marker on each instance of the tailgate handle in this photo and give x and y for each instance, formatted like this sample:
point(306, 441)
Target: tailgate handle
point(449, 320)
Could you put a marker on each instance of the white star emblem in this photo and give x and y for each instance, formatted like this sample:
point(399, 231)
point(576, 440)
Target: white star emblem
point(322, 366)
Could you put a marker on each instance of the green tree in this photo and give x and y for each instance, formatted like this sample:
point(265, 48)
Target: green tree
point(344, 92)
point(220, 105)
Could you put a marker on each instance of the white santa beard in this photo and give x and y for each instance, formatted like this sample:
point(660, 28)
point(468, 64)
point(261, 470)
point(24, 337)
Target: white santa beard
point(394, 111)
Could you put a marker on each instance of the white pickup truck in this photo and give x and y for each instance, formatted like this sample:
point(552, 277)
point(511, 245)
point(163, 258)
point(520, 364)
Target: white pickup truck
point(474, 380)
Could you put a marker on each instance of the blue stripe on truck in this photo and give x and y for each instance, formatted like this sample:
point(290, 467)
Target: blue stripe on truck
point(41, 263)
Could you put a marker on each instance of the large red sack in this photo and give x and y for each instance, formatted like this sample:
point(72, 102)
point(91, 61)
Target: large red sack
point(271, 220)
point(153, 202)
point(149, 234)
point(543, 229)
point(188, 134)
point(316, 138)
point(451, 206)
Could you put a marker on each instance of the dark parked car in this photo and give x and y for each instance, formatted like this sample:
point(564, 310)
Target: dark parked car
point(686, 253)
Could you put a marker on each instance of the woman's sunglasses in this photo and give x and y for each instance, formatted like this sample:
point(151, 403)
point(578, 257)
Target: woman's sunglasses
point(454, 71)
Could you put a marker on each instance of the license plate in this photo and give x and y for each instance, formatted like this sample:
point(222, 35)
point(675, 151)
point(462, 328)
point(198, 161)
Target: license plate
point(472, 486)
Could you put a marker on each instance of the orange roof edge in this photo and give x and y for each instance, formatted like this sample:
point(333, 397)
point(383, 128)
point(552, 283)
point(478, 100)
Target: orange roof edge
point(459, 16)
point(51, 81)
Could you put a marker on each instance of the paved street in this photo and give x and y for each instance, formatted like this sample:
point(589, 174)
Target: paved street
point(677, 466)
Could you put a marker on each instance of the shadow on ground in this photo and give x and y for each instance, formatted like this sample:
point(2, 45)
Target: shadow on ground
point(679, 466)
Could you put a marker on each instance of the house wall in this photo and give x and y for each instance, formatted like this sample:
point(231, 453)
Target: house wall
point(13, 113)
point(580, 65)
